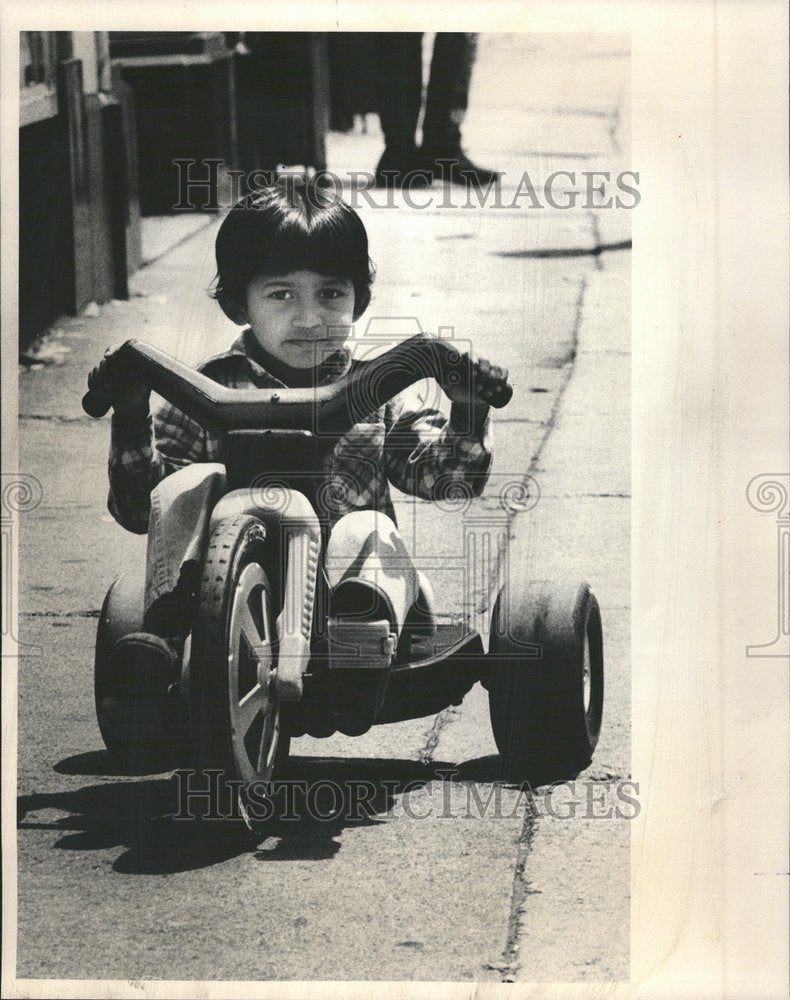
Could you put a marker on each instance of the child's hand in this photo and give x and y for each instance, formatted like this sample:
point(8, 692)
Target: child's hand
point(129, 399)
point(488, 383)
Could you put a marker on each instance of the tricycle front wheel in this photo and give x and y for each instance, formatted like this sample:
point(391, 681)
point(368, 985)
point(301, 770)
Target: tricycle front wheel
point(546, 680)
point(234, 706)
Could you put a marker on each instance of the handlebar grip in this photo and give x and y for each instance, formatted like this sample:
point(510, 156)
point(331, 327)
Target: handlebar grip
point(488, 382)
point(95, 404)
point(503, 397)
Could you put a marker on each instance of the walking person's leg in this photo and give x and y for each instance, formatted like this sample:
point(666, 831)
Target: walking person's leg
point(399, 96)
point(445, 108)
point(448, 89)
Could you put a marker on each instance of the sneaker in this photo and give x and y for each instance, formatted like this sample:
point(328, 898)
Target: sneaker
point(455, 167)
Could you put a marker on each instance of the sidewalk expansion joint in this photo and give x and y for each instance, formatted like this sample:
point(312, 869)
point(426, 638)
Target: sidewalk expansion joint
point(596, 251)
point(568, 374)
point(51, 418)
point(521, 890)
point(210, 219)
point(549, 422)
point(614, 126)
point(605, 351)
point(583, 496)
point(596, 228)
point(440, 722)
point(60, 614)
point(500, 421)
point(578, 112)
point(604, 778)
point(521, 886)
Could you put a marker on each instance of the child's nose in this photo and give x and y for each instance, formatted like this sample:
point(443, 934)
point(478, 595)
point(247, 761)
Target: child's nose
point(308, 315)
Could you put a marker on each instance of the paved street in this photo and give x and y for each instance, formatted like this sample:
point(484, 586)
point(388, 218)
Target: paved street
point(527, 890)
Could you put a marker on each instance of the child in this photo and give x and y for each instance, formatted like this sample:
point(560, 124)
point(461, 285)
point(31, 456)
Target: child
point(293, 270)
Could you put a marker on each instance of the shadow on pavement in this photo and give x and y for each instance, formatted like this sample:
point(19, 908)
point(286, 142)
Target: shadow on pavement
point(488, 770)
point(99, 763)
point(318, 800)
point(321, 796)
point(309, 809)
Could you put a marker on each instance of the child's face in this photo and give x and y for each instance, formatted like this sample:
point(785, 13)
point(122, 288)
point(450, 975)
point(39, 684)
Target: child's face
point(301, 317)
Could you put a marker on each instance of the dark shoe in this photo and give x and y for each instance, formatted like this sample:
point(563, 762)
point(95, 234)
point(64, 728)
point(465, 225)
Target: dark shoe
point(355, 599)
point(360, 627)
point(144, 666)
point(454, 166)
point(361, 643)
point(401, 170)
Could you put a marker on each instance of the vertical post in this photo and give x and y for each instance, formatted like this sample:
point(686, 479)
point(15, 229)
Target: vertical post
point(319, 100)
point(72, 135)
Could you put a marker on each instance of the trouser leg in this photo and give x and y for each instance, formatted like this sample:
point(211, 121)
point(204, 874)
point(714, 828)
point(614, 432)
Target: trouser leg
point(399, 86)
point(145, 663)
point(448, 90)
point(178, 528)
point(369, 569)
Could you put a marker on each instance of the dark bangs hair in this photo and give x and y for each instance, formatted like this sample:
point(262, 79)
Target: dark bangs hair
point(292, 225)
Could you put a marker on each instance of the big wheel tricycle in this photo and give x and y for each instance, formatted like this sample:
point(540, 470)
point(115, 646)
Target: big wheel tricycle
point(259, 605)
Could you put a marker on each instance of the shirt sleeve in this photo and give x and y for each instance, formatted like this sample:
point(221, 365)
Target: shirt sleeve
point(142, 452)
point(432, 446)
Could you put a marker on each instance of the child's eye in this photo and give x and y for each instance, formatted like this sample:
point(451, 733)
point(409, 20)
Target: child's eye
point(333, 293)
point(281, 294)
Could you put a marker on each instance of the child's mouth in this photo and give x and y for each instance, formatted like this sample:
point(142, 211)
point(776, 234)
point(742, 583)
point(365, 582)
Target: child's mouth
point(322, 342)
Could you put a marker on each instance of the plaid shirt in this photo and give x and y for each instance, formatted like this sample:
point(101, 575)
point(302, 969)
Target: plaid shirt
point(410, 443)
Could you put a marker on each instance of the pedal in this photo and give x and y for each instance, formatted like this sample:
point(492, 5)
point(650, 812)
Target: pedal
point(355, 645)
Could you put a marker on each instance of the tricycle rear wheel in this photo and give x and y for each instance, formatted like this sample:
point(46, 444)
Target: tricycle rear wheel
point(135, 730)
point(546, 680)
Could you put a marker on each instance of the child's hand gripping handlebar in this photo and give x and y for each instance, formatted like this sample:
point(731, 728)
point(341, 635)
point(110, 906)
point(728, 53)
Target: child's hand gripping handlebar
point(329, 409)
point(464, 379)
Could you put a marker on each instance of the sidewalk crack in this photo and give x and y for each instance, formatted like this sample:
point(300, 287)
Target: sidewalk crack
point(496, 575)
point(567, 375)
point(53, 418)
point(521, 886)
point(596, 251)
point(521, 890)
point(60, 614)
point(440, 722)
point(614, 126)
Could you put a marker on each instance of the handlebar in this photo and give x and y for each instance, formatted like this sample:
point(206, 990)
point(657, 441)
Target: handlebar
point(327, 409)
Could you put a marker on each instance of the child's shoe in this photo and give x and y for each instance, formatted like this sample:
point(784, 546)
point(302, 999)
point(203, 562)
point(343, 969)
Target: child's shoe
point(144, 665)
point(361, 642)
point(360, 627)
